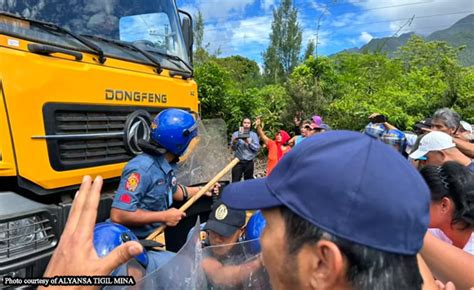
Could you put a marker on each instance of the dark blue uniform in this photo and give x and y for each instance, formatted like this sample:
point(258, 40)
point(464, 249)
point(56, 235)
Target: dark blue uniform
point(147, 183)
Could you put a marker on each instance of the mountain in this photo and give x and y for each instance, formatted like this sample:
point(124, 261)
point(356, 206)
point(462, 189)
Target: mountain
point(460, 33)
point(386, 44)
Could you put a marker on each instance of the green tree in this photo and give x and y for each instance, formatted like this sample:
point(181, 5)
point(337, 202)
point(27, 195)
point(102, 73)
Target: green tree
point(402, 89)
point(282, 54)
point(200, 50)
point(373, 83)
point(465, 102)
point(198, 30)
point(272, 69)
point(213, 86)
point(274, 99)
point(268, 103)
point(309, 49)
point(438, 59)
point(244, 72)
point(312, 87)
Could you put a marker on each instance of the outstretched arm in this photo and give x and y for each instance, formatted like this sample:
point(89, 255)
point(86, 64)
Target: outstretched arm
point(448, 263)
point(292, 141)
point(261, 133)
point(229, 275)
point(465, 147)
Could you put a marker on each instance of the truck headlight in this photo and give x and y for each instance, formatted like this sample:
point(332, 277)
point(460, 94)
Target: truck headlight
point(21, 235)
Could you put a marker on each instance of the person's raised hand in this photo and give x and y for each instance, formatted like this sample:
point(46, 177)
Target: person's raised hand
point(75, 254)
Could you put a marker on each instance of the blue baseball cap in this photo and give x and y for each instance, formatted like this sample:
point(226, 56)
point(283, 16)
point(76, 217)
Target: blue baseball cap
point(348, 184)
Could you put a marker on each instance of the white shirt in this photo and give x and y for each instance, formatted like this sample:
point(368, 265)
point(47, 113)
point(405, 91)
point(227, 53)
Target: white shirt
point(469, 247)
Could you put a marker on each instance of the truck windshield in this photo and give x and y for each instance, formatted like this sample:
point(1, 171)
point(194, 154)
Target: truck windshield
point(152, 25)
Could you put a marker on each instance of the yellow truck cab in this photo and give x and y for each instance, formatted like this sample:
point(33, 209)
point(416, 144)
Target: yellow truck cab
point(78, 81)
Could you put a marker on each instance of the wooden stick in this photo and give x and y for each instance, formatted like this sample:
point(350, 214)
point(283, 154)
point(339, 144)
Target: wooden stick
point(200, 193)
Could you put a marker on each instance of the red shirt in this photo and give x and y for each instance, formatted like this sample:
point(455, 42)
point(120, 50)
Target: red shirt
point(273, 155)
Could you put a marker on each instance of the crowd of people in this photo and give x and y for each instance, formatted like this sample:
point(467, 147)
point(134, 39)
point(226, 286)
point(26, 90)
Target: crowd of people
point(246, 143)
point(382, 209)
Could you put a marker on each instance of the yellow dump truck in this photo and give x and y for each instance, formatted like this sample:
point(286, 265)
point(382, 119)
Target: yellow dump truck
point(77, 80)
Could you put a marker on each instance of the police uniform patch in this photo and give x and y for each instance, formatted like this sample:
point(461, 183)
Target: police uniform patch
point(173, 181)
point(221, 212)
point(125, 198)
point(132, 182)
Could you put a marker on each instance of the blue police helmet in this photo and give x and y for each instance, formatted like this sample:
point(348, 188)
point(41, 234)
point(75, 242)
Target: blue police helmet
point(374, 130)
point(108, 236)
point(173, 129)
point(395, 137)
point(254, 229)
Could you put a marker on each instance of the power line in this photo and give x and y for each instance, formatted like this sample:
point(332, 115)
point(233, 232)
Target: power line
point(363, 23)
point(215, 19)
point(404, 19)
point(226, 46)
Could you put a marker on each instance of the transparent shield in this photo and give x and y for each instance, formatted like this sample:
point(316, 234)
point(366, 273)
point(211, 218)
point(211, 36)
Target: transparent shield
point(182, 272)
point(188, 270)
point(245, 270)
point(206, 156)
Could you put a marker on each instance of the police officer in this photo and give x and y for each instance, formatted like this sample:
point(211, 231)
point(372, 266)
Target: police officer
point(224, 263)
point(148, 184)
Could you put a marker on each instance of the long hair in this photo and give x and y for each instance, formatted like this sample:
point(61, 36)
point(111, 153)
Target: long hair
point(456, 182)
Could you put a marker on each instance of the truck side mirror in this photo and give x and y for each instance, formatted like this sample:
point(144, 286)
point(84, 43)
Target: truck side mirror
point(187, 29)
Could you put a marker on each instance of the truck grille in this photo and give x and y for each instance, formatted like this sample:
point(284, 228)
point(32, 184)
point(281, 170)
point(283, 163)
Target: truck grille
point(97, 150)
point(101, 122)
point(25, 236)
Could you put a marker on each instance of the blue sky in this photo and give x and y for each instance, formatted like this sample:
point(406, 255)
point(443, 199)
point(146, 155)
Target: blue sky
point(242, 27)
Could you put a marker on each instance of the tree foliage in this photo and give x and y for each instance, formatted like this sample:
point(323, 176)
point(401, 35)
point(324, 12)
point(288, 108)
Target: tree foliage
point(310, 49)
point(464, 104)
point(282, 55)
point(312, 87)
point(242, 71)
point(201, 52)
point(213, 84)
point(345, 88)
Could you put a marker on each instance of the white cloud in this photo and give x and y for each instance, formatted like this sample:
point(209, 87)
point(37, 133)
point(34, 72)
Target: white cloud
point(312, 35)
point(353, 41)
point(267, 4)
point(323, 8)
point(343, 20)
point(255, 29)
point(247, 37)
point(429, 15)
point(222, 10)
point(365, 37)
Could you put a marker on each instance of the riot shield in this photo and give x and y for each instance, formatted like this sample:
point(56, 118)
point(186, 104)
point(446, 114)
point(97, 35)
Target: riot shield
point(182, 272)
point(249, 274)
point(188, 271)
point(207, 154)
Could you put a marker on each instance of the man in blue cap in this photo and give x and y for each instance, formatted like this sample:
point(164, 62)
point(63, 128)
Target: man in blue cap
point(224, 262)
point(343, 211)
